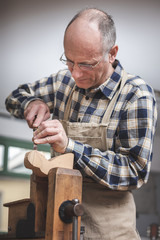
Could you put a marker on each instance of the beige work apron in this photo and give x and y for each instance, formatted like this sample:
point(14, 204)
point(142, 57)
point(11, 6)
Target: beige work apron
point(109, 214)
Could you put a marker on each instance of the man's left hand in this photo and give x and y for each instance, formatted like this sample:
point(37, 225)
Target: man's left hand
point(51, 132)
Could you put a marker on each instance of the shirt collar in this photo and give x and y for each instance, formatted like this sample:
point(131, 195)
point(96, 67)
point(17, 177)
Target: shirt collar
point(109, 87)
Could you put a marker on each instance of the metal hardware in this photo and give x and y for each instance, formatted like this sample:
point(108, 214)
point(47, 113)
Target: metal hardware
point(69, 212)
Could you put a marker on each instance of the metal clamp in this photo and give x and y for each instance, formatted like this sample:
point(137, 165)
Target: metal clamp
point(69, 211)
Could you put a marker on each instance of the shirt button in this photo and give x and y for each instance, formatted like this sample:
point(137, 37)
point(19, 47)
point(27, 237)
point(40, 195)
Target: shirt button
point(87, 98)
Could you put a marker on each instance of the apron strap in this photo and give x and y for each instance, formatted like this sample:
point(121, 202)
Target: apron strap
point(112, 103)
point(68, 106)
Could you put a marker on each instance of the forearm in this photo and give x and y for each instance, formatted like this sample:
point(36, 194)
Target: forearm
point(19, 99)
point(114, 170)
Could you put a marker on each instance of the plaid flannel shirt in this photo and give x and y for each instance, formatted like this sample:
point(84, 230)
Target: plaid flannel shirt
point(126, 164)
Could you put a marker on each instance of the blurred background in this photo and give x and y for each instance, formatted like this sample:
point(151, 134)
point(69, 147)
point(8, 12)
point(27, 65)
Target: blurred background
point(31, 43)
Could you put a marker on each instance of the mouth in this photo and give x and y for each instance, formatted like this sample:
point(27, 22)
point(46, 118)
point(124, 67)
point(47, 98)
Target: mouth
point(81, 80)
point(83, 83)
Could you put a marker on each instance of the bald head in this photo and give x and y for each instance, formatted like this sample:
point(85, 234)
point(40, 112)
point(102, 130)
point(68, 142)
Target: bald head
point(89, 40)
point(98, 21)
point(83, 36)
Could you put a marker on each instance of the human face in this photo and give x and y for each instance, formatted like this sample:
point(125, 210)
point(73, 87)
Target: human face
point(87, 77)
point(83, 45)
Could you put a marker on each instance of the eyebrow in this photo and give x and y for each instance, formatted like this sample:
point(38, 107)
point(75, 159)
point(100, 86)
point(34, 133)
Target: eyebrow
point(80, 62)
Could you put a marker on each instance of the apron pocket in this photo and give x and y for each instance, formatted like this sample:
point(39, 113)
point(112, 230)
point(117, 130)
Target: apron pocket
point(93, 142)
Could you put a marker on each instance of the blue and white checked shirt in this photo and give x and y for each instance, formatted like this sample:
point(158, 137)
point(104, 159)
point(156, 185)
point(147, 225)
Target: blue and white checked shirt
point(126, 164)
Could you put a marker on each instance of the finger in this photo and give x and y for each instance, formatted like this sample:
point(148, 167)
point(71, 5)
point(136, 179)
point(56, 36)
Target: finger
point(38, 108)
point(43, 132)
point(30, 115)
point(47, 139)
point(50, 127)
point(30, 119)
point(54, 139)
point(42, 115)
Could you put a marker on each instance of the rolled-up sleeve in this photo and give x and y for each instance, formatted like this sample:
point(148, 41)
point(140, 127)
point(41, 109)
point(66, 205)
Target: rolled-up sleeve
point(19, 99)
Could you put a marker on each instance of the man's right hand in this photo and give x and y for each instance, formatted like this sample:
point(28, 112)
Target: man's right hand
point(36, 112)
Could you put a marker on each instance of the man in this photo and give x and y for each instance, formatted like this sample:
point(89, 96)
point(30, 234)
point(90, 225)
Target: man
point(101, 114)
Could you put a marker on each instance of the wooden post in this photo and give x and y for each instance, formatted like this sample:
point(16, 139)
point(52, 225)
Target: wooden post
point(38, 196)
point(64, 184)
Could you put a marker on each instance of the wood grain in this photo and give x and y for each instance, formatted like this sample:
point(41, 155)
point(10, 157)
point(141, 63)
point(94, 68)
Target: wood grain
point(40, 166)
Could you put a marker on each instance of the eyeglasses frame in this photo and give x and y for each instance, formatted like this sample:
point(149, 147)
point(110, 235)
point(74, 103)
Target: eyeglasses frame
point(90, 66)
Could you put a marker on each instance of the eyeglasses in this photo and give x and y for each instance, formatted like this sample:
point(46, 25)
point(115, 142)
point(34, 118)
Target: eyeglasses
point(82, 66)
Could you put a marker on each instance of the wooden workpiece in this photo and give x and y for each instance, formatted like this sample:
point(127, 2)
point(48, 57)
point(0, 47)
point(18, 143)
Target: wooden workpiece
point(40, 165)
point(52, 183)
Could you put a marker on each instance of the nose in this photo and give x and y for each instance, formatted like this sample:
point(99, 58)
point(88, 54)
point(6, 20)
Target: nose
point(76, 72)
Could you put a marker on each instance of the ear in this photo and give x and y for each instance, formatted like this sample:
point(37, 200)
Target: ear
point(113, 53)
